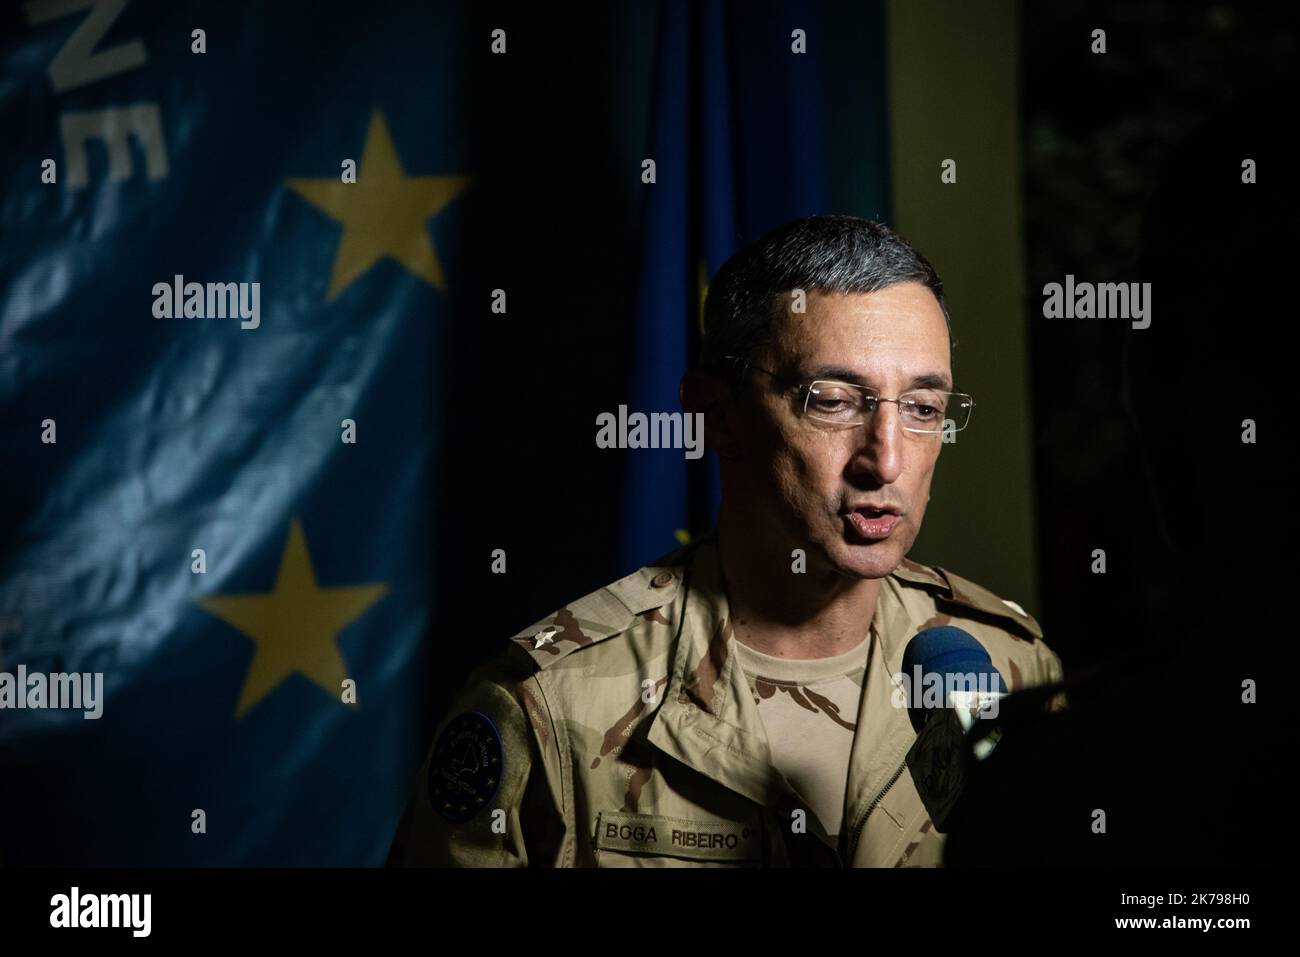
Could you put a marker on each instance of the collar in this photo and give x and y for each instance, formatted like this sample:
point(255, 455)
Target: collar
point(710, 722)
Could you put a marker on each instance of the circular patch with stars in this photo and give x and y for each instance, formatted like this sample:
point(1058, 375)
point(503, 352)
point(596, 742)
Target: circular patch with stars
point(466, 766)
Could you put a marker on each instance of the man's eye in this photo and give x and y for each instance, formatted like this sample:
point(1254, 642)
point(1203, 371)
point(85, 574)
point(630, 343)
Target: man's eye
point(831, 405)
point(833, 393)
point(926, 412)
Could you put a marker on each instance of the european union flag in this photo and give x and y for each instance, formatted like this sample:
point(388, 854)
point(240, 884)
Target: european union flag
point(229, 255)
point(738, 143)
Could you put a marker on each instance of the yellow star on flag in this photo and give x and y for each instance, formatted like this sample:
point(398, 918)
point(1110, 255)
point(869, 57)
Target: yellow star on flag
point(384, 213)
point(295, 626)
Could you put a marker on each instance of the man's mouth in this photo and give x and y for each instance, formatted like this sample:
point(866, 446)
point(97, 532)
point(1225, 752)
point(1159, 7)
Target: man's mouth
point(872, 523)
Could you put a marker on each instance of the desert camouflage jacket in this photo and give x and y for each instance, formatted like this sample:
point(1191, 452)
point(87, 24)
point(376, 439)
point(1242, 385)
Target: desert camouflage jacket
point(621, 732)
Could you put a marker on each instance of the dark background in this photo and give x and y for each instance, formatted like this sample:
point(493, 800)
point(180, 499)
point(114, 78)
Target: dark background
point(1150, 113)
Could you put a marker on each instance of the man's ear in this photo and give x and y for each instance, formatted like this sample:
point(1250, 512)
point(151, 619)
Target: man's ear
point(703, 392)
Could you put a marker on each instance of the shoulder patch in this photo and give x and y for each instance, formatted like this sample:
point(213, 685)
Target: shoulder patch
point(466, 766)
point(953, 588)
point(602, 614)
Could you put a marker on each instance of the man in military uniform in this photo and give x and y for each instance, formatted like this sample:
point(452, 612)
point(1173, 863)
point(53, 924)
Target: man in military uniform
point(733, 704)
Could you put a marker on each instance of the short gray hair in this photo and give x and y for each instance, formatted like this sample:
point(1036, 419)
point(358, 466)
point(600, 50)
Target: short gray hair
point(830, 254)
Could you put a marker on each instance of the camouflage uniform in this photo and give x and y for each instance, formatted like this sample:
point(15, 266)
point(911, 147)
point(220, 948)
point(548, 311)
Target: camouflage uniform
point(619, 732)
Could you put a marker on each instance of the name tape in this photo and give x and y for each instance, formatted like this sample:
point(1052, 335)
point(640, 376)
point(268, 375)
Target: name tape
point(677, 837)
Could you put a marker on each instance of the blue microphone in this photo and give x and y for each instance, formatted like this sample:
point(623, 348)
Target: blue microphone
point(940, 664)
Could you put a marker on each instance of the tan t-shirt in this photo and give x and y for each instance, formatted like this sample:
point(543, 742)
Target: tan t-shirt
point(809, 709)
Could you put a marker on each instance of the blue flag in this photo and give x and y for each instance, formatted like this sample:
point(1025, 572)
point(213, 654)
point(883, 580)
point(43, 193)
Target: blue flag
point(737, 138)
point(228, 254)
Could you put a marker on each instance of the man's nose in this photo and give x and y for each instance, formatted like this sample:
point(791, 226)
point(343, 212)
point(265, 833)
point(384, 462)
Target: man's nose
point(880, 445)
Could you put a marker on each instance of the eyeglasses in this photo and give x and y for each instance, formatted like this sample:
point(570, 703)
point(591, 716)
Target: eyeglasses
point(846, 405)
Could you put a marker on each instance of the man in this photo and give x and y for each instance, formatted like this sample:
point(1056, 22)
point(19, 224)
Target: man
point(731, 704)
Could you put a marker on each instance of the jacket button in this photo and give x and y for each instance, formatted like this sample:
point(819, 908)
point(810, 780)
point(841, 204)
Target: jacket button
point(662, 580)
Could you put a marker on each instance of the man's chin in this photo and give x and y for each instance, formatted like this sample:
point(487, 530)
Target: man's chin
point(867, 561)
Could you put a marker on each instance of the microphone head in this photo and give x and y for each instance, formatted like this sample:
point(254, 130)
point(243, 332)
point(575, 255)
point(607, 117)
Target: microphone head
point(943, 660)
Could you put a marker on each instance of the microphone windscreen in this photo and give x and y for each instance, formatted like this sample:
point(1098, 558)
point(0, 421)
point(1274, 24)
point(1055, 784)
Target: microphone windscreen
point(955, 659)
